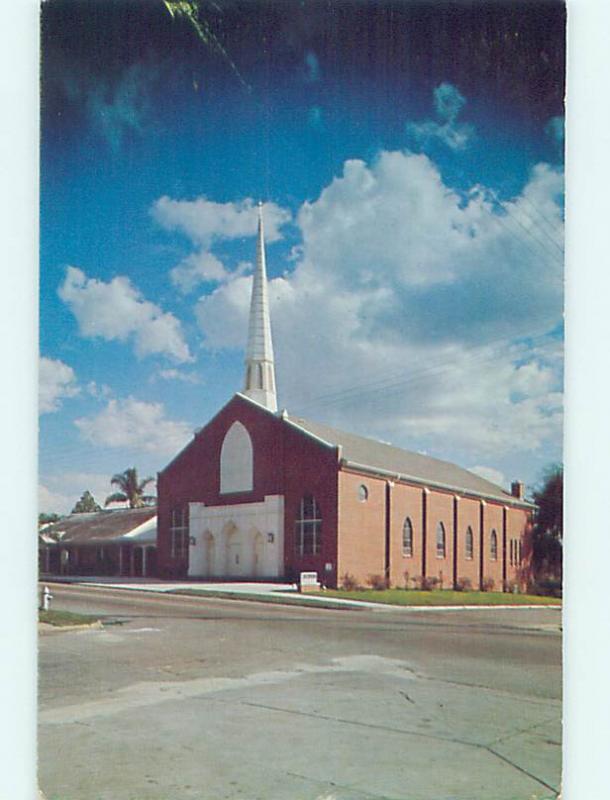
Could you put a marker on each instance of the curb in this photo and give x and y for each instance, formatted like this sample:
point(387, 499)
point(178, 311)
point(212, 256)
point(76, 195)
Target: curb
point(45, 628)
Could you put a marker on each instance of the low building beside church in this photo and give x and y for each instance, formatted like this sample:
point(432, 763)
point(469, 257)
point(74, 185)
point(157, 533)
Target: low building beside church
point(259, 494)
point(121, 542)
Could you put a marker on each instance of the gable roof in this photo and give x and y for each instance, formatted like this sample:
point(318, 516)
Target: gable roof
point(104, 527)
point(359, 452)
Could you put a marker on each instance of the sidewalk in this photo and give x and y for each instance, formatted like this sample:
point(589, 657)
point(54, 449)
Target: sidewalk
point(281, 593)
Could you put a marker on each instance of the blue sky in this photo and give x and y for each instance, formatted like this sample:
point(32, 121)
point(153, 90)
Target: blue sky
point(411, 163)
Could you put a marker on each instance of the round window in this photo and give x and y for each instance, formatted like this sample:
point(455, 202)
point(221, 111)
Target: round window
point(363, 493)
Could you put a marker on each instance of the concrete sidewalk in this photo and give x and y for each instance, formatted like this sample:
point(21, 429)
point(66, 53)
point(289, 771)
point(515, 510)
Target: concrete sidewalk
point(268, 592)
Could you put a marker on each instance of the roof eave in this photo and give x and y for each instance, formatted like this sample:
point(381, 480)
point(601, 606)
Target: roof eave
point(400, 476)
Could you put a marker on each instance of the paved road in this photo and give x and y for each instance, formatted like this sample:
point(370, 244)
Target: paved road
point(206, 698)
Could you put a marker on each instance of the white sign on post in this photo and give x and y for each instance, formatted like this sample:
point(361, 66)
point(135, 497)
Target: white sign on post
point(309, 581)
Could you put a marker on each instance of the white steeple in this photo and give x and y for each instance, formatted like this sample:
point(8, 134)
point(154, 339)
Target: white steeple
point(260, 372)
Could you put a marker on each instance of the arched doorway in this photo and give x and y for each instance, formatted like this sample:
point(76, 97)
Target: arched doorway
point(234, 557)
point(258, 567)
point(209, 550)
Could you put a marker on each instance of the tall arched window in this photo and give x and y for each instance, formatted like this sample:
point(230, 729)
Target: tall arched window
point(440, 540)
point(469, 544)
point(236, 460)
point(407, 538)
point(493, 546)
point(308, 527)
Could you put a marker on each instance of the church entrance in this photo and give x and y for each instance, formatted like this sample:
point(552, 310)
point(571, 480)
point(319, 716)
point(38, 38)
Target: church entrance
point(236, 559)
point(258, 566)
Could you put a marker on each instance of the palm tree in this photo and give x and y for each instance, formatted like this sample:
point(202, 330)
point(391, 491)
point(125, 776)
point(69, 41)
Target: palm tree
point(131, 489)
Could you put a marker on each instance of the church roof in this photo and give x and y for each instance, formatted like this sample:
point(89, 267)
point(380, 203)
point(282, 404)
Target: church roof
point(101, 527)
point(358, 451)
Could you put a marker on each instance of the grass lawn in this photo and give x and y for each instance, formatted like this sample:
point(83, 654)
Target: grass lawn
point(63, 618)
point(281, 598)
point(412, 597)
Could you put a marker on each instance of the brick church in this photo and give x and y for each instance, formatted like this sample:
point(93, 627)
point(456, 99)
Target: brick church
point(259, 494)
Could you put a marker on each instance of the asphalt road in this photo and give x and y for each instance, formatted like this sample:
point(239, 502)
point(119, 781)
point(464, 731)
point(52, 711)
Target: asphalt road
point(180, 697)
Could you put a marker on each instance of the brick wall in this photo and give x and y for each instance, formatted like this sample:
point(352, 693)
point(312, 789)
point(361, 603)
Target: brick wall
point(361, 546)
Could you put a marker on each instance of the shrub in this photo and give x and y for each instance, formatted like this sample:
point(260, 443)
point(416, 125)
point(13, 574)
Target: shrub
point(548, 587)
point(511, 586)
point(407, 579)
point(463, 585)
point(349, 583)
point(377, 582)
point(426, 584)
point(488, 584)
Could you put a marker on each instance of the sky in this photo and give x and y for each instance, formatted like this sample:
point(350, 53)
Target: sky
point(410, 162)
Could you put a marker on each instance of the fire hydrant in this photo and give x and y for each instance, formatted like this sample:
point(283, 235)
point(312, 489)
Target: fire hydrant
point(46, 598)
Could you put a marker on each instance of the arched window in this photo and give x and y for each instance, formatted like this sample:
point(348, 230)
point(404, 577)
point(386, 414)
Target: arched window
point(308, 527)
point(236, 472)
point(469, 544)
point(493, 546)
point(440, 540)
point(407, 538)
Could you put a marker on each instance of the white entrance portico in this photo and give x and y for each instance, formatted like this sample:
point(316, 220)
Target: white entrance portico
point(237, 541)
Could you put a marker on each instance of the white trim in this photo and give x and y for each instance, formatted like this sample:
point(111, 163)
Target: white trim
point(399, 476)
point(311, 435)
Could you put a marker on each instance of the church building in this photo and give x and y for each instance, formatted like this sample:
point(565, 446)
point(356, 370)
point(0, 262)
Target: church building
point(260, 494)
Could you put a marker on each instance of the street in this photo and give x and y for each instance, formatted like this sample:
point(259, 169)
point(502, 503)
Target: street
point(187, 697)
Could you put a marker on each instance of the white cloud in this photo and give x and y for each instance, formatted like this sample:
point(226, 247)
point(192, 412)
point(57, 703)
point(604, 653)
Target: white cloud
point(56, 381)
point(448, 102)
point(490, 474)
point(410, 312)
point(58, 493)
point(205, 221)
point(50, 502)
point(197, 268)
point(137, 425)
point(177, 375)
point(117, 311)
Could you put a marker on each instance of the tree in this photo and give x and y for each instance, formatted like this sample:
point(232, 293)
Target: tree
point(548, 527)
point(131, 490)
point(86, 504)
point(47, 519)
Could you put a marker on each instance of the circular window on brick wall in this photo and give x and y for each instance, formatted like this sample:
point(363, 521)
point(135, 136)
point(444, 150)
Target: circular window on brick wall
point(363, 493)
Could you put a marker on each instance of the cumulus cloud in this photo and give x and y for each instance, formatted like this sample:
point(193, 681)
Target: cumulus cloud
point(207, 223)
point(117, 311)
point(59, 492)
point(130, 423)
point(56, 381)
point(178, 375)
point(490, 474)
point(448, 102)
point(417, 314)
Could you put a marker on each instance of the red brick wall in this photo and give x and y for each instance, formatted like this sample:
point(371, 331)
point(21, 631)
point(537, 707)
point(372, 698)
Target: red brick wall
point(468, 515)
point(286, 462)
point(492, 520)
point(362, 525)
point(406, 501)
point(440, 509)
point(309, 468)
point(518, 528)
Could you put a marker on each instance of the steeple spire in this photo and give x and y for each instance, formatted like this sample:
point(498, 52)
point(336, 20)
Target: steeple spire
point(260, 372)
